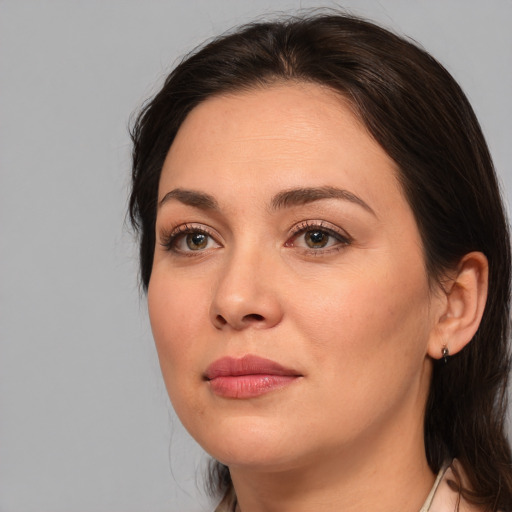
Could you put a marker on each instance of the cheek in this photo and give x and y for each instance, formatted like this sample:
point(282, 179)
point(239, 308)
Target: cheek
point(177, 311)
point(371, 321)
point(367, 344)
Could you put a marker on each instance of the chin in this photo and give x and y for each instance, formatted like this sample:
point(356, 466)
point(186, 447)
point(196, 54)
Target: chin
point(249, 442)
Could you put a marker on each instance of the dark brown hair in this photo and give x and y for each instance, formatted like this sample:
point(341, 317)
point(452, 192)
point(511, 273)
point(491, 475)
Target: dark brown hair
point(416, 111)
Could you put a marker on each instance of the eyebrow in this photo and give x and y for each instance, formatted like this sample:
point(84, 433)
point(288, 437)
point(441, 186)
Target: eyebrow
point(284, 199)
point(300, 196)
point(193, 198)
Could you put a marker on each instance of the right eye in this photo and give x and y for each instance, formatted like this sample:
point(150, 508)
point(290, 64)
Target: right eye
point(188, 239)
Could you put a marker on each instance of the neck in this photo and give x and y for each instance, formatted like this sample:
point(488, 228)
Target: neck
point(380, 474)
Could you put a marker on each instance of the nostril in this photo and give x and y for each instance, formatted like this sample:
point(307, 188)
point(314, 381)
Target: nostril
point(239, 322)
point(221, 320)
point(254, 317)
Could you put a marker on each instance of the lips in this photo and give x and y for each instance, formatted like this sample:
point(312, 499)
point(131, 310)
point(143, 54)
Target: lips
point(247, 377)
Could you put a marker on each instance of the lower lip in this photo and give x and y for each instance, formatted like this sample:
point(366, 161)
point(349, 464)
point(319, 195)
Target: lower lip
point(249, 386)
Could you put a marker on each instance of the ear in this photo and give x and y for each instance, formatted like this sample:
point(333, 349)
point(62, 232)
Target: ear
point(461, 306)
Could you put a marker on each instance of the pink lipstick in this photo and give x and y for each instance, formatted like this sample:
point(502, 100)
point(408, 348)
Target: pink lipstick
point(247, 377)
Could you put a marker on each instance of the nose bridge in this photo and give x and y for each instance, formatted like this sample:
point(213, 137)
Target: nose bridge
point(245, 293)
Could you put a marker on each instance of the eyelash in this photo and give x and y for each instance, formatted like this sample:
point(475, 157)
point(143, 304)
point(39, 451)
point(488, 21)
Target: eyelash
point(169, 239)
point(303, 227)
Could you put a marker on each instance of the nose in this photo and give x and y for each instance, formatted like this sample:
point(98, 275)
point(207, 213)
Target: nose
point(246, 294)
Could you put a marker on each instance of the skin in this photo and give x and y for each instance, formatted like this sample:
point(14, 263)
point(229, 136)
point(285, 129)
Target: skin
point(356, 319)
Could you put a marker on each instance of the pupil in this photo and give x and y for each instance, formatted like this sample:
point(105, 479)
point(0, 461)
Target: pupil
point(316, 239)
point(196, 241)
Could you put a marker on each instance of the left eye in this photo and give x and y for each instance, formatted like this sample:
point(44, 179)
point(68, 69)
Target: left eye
point(317, 238)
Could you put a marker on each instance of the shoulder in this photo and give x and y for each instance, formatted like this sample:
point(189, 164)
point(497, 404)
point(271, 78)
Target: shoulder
point(446, 498)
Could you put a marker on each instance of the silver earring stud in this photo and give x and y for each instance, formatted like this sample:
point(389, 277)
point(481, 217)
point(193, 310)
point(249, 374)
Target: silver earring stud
point(446, 354)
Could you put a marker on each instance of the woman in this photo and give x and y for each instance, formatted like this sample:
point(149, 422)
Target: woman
point(327, 264)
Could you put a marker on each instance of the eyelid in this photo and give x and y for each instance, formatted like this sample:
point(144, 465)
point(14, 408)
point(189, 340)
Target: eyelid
point(331, 229)
point(169, 237)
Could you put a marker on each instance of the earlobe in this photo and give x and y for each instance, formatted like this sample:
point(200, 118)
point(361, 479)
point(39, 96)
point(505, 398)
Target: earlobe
point(464, 298)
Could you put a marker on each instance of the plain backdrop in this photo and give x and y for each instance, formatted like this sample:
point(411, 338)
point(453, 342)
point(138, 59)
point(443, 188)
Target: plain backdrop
point(85, 423)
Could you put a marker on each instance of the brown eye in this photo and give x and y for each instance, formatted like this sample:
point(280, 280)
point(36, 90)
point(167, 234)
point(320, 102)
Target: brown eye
point(189, 239)
point(196, 241)
point(316, 239)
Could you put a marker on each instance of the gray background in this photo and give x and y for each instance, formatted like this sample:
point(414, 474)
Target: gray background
point(85, 423)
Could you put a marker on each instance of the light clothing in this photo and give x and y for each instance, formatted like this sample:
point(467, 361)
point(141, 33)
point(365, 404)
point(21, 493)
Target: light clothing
point(443, 498)
point(427, 506)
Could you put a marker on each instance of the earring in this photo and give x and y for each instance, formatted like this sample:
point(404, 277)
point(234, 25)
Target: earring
point(446, 354)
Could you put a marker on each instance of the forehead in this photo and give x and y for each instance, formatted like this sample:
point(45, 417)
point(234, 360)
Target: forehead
point(281, 136)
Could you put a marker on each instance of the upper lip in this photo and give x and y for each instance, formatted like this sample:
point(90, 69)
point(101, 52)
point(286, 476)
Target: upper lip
point(246, 365)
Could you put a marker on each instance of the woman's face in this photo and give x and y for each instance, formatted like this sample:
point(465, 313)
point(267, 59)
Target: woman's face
point(288, 297)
